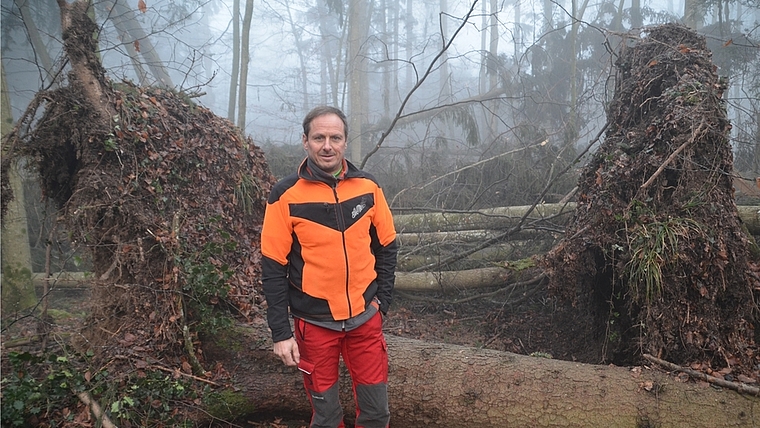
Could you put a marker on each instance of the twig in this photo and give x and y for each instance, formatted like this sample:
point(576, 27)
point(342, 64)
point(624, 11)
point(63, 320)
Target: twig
point(194, 362)
point(96, 410)
point(740, 387)
point(199, 379)
point(671, 157)
point(16, 343)
point(466, 167)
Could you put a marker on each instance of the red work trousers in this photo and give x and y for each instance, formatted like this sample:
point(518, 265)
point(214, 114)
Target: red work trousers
point(365, 355)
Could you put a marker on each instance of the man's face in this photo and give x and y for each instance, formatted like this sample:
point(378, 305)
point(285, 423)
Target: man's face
point(326, 143)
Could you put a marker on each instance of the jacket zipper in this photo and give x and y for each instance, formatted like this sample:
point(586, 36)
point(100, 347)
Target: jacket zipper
point(342, 224)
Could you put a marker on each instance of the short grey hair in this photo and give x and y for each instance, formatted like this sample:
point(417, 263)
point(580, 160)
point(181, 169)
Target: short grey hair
point(321, 111)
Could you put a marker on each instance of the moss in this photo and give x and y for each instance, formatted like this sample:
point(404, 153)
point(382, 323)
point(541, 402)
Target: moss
point(17, 289)
point(522, 264)
point(61, 315)
point(227, 404)
point(228, 338)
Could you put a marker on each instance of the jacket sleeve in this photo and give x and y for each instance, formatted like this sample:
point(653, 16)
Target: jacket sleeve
point(275, 245)
point(385, 250)
point(275, 282)
point(385, 266)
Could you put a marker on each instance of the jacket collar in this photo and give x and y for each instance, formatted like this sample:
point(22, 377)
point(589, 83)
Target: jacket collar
point(308, 170)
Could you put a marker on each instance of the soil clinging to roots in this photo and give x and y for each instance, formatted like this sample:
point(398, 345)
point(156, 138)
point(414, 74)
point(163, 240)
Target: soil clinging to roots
point(656, 259)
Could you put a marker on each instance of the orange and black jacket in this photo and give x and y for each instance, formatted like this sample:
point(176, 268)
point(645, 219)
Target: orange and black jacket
point(328, 246)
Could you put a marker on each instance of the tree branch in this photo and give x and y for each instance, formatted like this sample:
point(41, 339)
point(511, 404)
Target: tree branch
point(740, 387)
point(419, 83)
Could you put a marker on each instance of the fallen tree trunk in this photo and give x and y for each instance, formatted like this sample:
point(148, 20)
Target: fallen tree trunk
point(446, 281)
point(465, 236)
point(503, 218)
point(499, 218)
point(420, 281)
point(492, 256)
point(750, 216)
point(434, 384)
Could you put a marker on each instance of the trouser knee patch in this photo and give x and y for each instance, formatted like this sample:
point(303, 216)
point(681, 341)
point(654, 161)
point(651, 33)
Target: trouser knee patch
point(372, 401)
point(328, 412)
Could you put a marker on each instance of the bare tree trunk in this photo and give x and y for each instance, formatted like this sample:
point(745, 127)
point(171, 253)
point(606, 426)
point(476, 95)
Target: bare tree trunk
point(410, 80)
point(386, 64)
point(126, 17)
point(444, 93)
point(756, 139)
point(693, 13)
point(617, 21)
point(40, 50)
point(85, 65)
point(301, 58)
point(518, 32)
point(16, 260)
point(483, 75)
point(393, 68)
point(572, 120)
point(245, 47)
point(358, 26)
point(134, 56)
point(434, 384)
point(493, 69)
point(234, 75)
point(548, 23)
point(636, 19)
point(332, 48)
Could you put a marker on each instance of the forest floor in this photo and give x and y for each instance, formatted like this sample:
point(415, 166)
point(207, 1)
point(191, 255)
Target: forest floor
point(531, 326)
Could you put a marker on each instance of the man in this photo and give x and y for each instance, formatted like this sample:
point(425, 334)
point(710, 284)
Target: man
point(329, 258)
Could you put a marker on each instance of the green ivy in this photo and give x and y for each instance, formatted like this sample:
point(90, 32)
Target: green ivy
point(206, 280)
point(149, 398)
point(37, 387)
point(41, 387)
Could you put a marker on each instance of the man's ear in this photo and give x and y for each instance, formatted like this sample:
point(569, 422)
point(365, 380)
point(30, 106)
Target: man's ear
point(304, 141)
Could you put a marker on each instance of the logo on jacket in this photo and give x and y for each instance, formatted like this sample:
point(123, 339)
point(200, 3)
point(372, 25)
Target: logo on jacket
point(358, 209)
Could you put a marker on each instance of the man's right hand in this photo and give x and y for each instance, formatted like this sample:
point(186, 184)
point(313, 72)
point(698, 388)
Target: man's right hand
point(287, 350)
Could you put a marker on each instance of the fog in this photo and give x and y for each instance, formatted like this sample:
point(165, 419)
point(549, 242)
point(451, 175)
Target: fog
point(466, 80)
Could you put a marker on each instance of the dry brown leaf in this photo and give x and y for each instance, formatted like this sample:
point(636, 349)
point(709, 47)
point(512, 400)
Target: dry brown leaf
point(745, 379)
point(142, 6)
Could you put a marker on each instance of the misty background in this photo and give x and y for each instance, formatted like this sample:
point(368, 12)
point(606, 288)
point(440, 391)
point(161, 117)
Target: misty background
point(453, 105)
